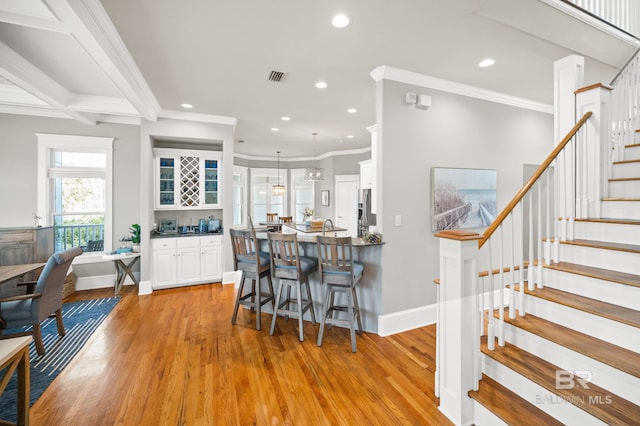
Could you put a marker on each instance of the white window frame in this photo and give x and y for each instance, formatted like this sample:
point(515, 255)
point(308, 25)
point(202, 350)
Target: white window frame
point(242, 172)
point(299, 173)
point(271, 173)
point(47, 144)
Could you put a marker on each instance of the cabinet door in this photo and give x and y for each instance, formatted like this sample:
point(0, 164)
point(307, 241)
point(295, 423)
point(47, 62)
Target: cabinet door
point(366, 175)
point(188, 265)
point(164, 268)
point(211, 171)
point(211, 263)
point(166, 174)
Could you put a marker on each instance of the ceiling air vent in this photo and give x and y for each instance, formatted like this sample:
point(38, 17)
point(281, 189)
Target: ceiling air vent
point(277, 75)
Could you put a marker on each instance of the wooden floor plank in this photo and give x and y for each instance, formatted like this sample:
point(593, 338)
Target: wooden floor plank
point(173, 357)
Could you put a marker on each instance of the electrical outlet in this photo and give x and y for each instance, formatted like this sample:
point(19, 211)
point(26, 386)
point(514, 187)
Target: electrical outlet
point(398, 220)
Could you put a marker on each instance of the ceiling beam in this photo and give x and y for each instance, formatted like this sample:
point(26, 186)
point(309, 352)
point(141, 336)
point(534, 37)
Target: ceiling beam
point(30, 78)
point(90, 26)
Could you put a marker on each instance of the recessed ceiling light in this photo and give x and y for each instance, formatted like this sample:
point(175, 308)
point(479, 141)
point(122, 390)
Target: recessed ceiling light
point(349, 136)
point(188, 106)
point(321, 85)
point(486, 63)
point(352, 110)
point(341, 21)
point(285, 118)
point(274, 129)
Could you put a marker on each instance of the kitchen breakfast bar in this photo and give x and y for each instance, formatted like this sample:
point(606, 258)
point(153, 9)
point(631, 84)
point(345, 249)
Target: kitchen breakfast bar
point(368, 288)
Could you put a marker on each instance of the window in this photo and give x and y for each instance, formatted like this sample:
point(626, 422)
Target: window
point(262, 200)
point(239, 195)
point(302, 194)
point(74, 188)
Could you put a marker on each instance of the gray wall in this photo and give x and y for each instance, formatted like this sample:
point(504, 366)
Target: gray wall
point(18, 163)
point(457, 131)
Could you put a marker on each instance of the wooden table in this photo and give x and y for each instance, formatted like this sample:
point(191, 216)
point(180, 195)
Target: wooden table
point(10, 272)
point(123, 269)
point(14, 354)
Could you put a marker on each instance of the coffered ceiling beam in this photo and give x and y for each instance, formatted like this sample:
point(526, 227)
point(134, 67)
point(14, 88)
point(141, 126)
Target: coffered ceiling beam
point(25, 75)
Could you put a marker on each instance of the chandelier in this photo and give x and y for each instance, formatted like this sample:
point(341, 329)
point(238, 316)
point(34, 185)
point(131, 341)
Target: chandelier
point(278, 189)
point(314, 173)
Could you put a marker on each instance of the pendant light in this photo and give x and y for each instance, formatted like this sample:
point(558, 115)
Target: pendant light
point(314, 173)
point(278, 189)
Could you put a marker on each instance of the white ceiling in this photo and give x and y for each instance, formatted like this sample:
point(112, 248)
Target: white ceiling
point(122, 60)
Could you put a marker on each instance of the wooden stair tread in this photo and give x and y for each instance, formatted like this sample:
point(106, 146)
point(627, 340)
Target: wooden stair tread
point(620, 199)
point(626, 161)
point(509, 406)
point(607, 353)
point(612, 220)
point(598, 273)
point(593, 306)
point(629, 248)
point(616, 410)
point(626, 179)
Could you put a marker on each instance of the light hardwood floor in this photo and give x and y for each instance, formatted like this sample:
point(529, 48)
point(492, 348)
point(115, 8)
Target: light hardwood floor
point(173, 357)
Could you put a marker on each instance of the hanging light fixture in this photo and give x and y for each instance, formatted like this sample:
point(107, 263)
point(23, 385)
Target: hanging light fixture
point(314, 173)
point(278, 189)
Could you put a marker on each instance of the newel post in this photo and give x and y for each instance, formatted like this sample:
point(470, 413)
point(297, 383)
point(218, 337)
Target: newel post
point(593, 151)
point(458, 329)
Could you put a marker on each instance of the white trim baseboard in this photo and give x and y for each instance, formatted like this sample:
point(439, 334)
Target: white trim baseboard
point(101, 281)
point(409, 319)
point(232, 277)
point(145, 288)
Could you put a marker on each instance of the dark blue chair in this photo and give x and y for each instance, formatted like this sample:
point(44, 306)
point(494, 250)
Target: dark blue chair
point(339, 273)
point(44, 300)
point(292, 270)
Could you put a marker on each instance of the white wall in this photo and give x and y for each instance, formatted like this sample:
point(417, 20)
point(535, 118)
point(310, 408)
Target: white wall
point(457, 131)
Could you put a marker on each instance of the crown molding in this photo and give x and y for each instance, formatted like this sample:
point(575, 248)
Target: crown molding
point(386, 72)
point(198, 117)
point(292, 159)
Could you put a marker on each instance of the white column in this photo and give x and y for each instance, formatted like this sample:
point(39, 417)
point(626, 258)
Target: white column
point(568, 76)
point(458, 366)
point(596, 142)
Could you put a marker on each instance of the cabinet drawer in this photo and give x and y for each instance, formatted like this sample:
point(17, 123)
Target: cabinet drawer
point(188, 242)
point(163, 243)
point(213, 240)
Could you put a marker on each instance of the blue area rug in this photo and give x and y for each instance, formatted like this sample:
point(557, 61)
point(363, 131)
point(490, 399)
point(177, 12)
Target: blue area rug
point(80, 321)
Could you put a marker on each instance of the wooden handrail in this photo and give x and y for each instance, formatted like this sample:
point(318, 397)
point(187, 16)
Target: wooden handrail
point(532, 180)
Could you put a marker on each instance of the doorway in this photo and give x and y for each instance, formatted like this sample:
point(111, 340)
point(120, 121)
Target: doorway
point(346, 200)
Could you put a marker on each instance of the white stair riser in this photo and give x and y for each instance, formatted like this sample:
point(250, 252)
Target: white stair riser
point(621, 209)
point(626, 170)
point(600, 258)
point(541, 398)
point(603, 375)
point(607, 291)
point(633, 153)
point(624, 189)
point(610, 331)
point(484, 417)
point(612, 232)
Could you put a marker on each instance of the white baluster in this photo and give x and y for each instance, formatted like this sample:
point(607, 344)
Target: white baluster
point(491, 331)
point(501, 290)
point(521, 233)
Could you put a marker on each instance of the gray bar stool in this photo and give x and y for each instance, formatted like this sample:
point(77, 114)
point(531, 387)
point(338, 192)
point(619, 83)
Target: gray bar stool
point(254, 265)
point(340, 273)
point(293, 271)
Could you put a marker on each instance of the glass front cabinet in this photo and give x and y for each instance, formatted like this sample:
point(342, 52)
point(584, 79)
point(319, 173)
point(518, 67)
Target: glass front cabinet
point(187, 179)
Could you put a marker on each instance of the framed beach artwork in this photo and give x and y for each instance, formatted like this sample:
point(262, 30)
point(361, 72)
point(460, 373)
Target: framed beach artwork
point(462, 198)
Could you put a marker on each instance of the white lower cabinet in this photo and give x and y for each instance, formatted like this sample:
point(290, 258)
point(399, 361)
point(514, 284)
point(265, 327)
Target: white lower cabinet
point(186, 260)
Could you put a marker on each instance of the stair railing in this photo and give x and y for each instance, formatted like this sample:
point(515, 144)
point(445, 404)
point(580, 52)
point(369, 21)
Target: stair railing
point(622, 14)
point(526, 234)
point(625, 107)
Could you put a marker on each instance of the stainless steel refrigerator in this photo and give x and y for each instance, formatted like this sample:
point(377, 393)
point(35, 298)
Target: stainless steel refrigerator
point(365, 217)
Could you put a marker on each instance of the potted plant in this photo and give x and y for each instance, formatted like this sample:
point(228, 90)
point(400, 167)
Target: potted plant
point(135, 236)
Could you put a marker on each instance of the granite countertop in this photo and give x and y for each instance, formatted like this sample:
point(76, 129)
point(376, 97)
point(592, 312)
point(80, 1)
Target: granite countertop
point(311, 239)
point(308, 230)
point(155, 235)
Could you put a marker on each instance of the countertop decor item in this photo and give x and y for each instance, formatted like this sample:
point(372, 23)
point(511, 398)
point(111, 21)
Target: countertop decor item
point(135, 236)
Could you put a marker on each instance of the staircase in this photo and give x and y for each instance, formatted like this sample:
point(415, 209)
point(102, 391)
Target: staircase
point(574, 357)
